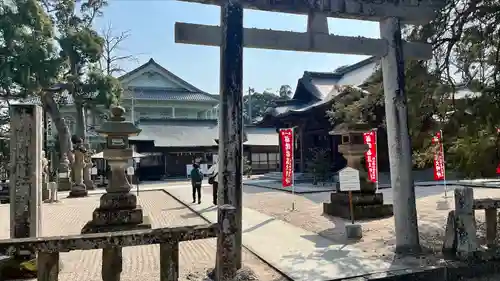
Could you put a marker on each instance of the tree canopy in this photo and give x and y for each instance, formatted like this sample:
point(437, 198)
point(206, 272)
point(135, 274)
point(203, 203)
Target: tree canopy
point(48, 51)
point(466, 59)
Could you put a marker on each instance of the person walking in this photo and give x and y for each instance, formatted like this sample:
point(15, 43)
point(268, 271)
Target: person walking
point(213, 179)
point(196, 181)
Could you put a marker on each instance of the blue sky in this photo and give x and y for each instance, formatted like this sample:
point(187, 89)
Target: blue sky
point(151, 24)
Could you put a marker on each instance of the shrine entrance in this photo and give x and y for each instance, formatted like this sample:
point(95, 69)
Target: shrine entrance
point(232, 37)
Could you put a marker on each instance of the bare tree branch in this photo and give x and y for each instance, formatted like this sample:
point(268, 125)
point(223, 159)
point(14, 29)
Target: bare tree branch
point(111, 60)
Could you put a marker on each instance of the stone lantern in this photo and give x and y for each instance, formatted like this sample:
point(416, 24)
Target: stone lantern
point(118, 209)
point(367, 204)
point(353, 149)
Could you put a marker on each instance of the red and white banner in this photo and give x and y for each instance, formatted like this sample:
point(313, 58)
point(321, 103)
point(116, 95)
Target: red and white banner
point(286, 138)
point(439, 170)
point(371, 155)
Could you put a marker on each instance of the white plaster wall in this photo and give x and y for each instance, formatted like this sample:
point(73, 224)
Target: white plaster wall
point(359, 76)
point(151, 79)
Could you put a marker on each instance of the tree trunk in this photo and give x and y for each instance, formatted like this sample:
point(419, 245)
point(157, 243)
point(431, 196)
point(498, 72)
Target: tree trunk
point(50, 106)
point(80, 120)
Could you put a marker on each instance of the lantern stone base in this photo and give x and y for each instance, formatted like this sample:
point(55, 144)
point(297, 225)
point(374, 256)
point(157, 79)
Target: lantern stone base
point(78, 191)
point(64, 184)
point(117, 211)
point(365, 205)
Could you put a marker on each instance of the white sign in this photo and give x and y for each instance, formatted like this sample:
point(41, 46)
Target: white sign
point(94, 171)
point(63, 175)
point(189, 167)
point(349, 179)
point(130, 171)
point(204, 168)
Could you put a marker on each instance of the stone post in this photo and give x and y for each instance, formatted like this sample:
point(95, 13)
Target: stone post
point(227, 251)
point(78, 189)
point(398, 138)
point(64, 183)
point(231, 114)
point(465, 222)
point(45, 172)
point(87, 171)
point(25, 171)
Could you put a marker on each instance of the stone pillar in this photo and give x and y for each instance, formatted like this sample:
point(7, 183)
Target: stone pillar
point(400, 154)
point(25, 171)
point(227, 252)
point(231, 113)
point(465, 222)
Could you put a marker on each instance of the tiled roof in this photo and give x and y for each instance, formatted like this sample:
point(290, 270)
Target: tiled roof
point(197, 133)
point(166, 94)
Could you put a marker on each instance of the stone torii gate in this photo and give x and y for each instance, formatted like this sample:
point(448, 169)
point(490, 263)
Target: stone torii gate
point(232, 37)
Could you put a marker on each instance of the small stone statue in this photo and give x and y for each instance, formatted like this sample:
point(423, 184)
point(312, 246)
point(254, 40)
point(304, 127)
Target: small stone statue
point(45, 173)
point(87, 170)
point(78, 189)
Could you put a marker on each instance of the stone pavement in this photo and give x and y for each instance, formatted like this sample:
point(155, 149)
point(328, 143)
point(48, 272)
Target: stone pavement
point(139, 263)
point(299, 254)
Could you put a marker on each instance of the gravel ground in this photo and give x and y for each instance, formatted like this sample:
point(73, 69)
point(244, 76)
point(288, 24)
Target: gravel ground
point(378, 235)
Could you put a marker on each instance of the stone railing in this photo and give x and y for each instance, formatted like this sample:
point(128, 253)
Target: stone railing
point(461, 231)
point(48, 248)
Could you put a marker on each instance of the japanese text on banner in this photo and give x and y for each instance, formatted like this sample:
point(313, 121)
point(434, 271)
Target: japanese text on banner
point(286, 137)
point(439, 169)
point(370, 139)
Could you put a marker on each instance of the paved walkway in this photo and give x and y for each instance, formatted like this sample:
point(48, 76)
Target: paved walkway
point(140, 262)
point(300, 254)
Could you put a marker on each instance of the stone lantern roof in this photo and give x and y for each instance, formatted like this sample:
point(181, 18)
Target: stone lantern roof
point(117, 125)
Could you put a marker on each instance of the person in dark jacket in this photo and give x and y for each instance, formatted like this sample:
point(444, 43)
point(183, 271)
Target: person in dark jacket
point(196, 180)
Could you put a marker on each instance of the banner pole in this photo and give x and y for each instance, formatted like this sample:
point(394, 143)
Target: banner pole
point(444, 164)
point(293, 169)
point(376, 161)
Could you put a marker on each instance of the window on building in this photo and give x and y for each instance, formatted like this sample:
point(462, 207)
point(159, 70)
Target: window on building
point(265, 161)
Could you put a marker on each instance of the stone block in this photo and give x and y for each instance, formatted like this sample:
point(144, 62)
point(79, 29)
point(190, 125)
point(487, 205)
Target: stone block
point(118, 201)
point(360, 212)
point(450, 235)
point(45, 191)
point(78, 192)
point(443, 205)
point(464, 201)
point(112, 217)
point(64, 185)
point(486, 203)
point(358, 198)
point(90, 227)
point(353, 231)
point(467, 242)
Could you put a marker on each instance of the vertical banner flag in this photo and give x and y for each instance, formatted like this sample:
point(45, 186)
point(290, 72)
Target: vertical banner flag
point(371, 155)
point(438, 157)
point(498, 167)
point(286, 137)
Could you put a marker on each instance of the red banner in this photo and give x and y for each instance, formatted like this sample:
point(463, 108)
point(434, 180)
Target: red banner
point(286, 138)
point(371, 155)
point(439, 169)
